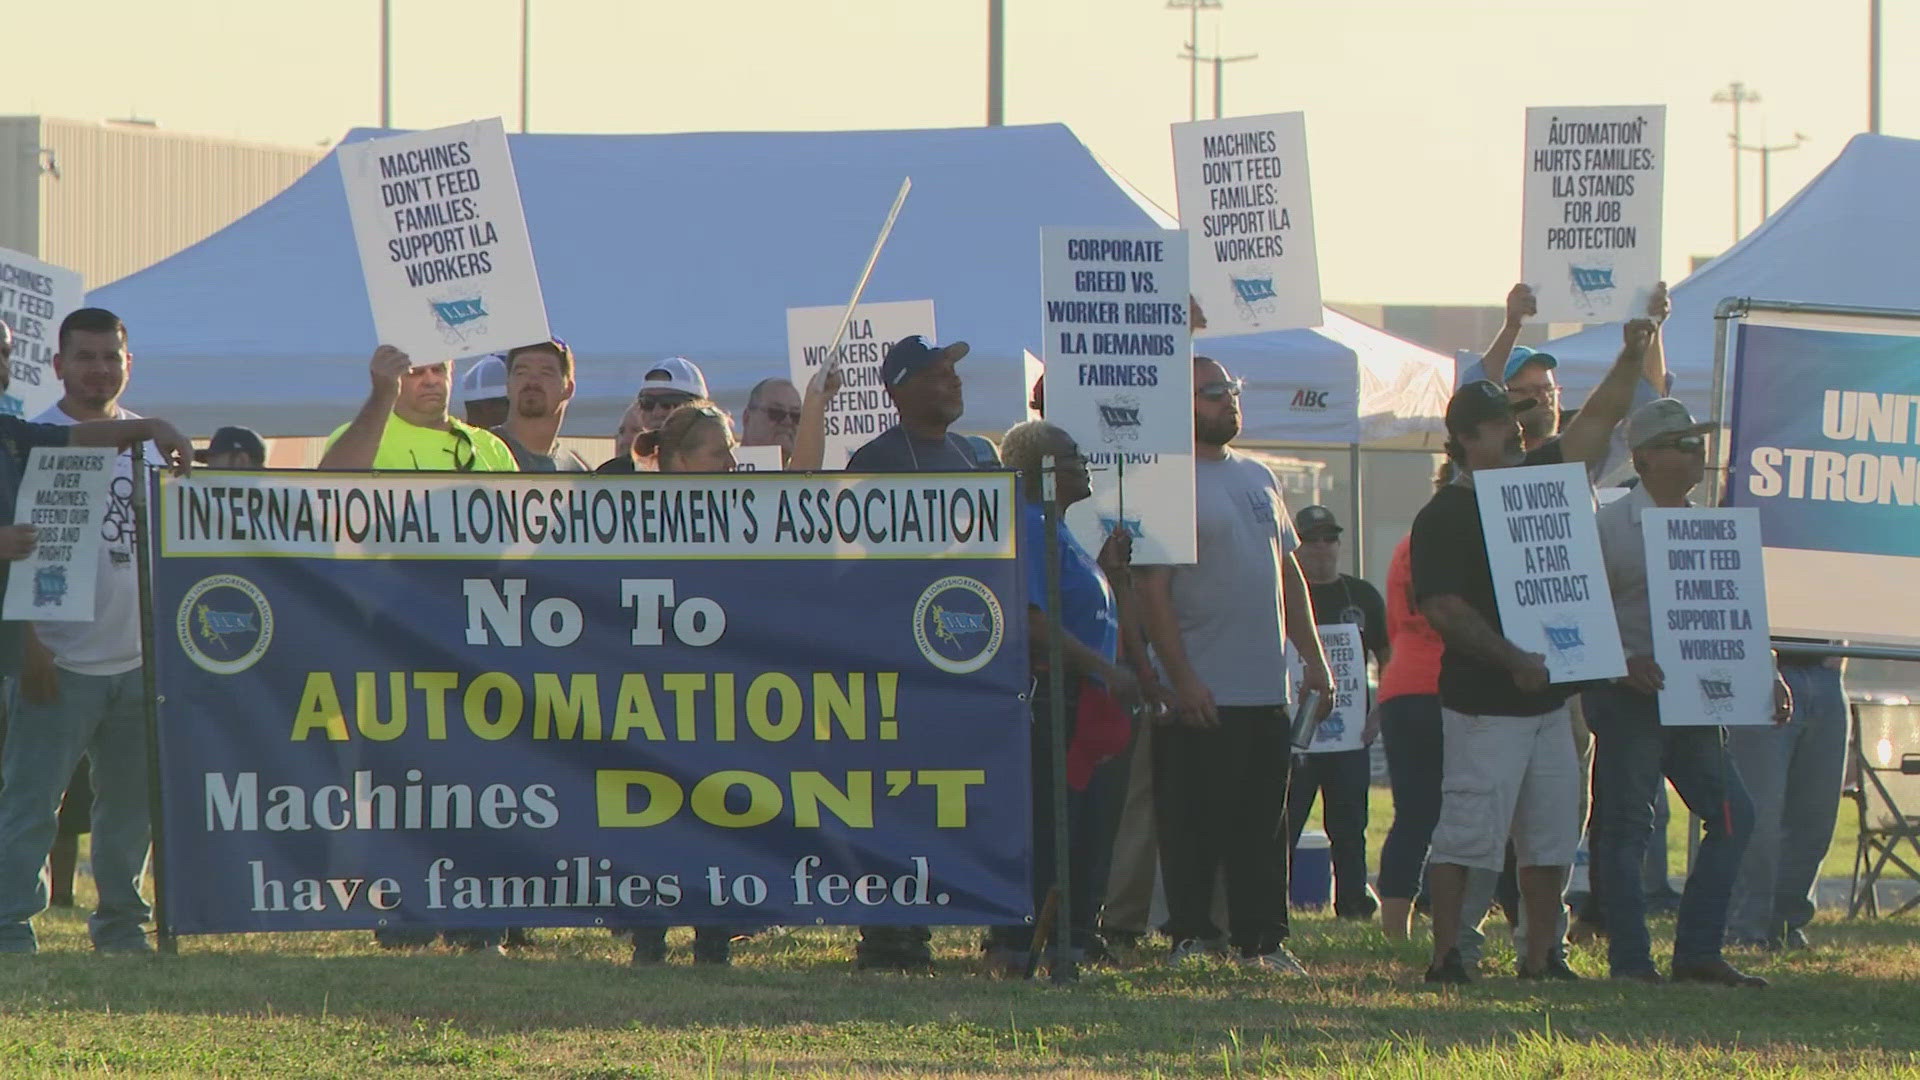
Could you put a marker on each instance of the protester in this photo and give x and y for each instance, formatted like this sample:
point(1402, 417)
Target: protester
point(1220, 774)
point(1794, 773)
point(1100, 694)
point(82, 693)
point(921, 380)
point(233, 448)
point(1510, 768)
point(666, 386)
point(1637, 749)
point(404, 425)
point(1588, 439)
point(772, 417)
point(1341, 779)
point(1408, 713)
point(483, 390)
point(539, 385)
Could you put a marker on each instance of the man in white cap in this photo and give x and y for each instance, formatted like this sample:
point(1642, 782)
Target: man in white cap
point(483, 389)
point(1636, 751)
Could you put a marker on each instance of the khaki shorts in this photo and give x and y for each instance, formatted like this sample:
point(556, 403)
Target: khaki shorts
point(1507, 777)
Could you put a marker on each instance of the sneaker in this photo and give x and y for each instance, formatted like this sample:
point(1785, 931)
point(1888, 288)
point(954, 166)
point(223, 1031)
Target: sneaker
point(1451, 970)
point(1795, 940)
point(1556, 970)
point(1717, 972)
point(1186, 948)
point(1277, 960)
point(1650, 976)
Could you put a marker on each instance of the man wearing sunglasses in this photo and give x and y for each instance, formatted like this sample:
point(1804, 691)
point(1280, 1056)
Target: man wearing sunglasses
point(772, 417)
point(1634, 754)
point(1220, 773)
point(404, 426)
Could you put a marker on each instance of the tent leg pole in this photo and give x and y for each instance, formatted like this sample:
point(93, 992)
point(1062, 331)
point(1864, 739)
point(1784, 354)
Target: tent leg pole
point(1357, 528)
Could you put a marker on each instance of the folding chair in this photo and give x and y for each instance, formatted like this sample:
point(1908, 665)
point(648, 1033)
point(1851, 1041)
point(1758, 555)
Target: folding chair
point(1886, 752)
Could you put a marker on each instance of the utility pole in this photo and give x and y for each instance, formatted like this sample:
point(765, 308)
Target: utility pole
point(526, 57)
point(1219, 95)
point(386, 64)
point(1736, 94)
point(1766, 165)
point(1873, 66)
point(1193, 47)
point(996, 62)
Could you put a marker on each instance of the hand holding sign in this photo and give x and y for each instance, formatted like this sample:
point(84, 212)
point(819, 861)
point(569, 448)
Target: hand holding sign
point(387, 366)
point(1530, 674)
point(17, 541)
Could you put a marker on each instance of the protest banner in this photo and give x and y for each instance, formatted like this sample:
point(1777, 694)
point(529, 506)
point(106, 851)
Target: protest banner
point(34, 297)
point(862, 409)
point(1543, 547)
point(1342, 728)
point(1119, 367)
point(758, 459)
point(429, 701)
point(1821, 443)
point(1247, 206)
point(64, 496)
point(1707, 592)
point(1590, 233)
point(443, 242)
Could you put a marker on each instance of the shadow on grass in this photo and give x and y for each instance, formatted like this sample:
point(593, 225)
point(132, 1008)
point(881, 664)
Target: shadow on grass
point(793, 998)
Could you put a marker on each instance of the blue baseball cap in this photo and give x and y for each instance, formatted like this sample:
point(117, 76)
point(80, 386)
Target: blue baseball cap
point(906, 358)
point(1521, 356)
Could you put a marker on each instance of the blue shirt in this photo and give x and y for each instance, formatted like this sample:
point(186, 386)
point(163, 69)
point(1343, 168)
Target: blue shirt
point(1088, 610)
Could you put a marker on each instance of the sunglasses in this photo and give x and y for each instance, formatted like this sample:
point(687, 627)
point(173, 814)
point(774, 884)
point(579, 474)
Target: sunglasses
point(461, 441)
point(1687, 444)
point(1220, 391)
point(779, 415)
point(663, 402)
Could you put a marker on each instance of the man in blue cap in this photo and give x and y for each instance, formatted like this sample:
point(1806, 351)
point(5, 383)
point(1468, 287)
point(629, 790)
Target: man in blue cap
point(924, 384)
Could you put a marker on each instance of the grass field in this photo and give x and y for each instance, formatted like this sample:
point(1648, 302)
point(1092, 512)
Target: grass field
point(334, 1005)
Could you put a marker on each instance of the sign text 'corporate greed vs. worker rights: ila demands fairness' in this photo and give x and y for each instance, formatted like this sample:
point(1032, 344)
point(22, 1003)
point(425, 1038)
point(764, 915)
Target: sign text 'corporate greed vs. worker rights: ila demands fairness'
point(790, 699)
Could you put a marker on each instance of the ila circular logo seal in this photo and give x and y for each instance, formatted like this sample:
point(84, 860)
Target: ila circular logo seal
point(958, 625)
point(225, 624)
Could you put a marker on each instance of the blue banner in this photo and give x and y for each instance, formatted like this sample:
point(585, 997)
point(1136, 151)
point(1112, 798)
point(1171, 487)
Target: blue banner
point(440, 701)
point(1824, 426)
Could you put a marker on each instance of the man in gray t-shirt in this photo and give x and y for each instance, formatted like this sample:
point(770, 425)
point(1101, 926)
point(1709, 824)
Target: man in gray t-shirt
point(1217, 628)
point(539, 385)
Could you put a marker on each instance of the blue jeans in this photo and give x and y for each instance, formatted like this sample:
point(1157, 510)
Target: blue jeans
point(104, 718)
point(1410, 727)
point(1795, 772)
point(1632, 753)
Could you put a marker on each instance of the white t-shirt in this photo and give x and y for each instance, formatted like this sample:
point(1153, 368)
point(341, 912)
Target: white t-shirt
point(110, 644)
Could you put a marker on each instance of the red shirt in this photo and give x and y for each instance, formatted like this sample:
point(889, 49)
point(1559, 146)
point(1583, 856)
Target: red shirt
point(1414, 667)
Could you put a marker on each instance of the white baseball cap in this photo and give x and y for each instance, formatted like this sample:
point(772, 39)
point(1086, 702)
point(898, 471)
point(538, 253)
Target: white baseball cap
point(485, 380)
point(676, 373)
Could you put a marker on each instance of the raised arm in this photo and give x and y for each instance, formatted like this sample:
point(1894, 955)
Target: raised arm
point(1586, 435)
point(1654, 368)
point(810, 440)
point(1520, 306)
point(356, 447)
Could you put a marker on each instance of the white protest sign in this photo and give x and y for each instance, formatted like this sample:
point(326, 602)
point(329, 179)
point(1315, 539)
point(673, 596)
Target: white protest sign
point(1347, 659)
point(443, 242)
point(64, 495)
point(1590, 238)
point(1119, 367)
point(1247, 206)
point(34, 297)
point(1707, 593)
point(862, 409)
point(758, 459)
point(1544, 550)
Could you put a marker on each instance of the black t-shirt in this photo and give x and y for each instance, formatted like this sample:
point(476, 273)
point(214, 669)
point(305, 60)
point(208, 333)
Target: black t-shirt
point(1448, 553)
point(1349, 599)
point(893, 450)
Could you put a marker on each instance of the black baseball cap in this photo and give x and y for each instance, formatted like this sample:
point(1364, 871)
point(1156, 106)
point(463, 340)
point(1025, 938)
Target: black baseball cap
point(906, 358)
point(1316, 519)
point(1481, 400)
point(229, 440)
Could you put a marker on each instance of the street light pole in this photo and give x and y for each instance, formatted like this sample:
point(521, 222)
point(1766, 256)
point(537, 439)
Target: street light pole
point(386, 64)
point(996, 62)
point(526, 57)
point(1766, 166)
point(1873, 66)
point(1736, 94)
point(1193, 46)
point(1218, 61)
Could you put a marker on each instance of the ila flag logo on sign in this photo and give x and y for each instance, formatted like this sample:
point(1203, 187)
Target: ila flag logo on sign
point(958, 625)
point(224, 624)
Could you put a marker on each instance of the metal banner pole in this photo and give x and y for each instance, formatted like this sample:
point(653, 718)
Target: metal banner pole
point(142, 561)
point(1062, 967)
